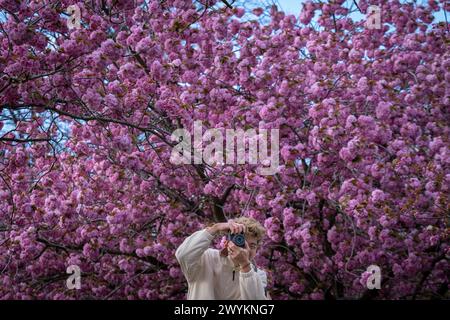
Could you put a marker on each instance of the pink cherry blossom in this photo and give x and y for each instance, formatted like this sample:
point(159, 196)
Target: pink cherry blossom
point(86, 118)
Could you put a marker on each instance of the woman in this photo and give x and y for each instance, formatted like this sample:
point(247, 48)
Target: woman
point(228, 274)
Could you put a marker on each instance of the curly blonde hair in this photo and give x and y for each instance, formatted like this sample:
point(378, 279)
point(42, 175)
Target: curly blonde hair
point(254, 228)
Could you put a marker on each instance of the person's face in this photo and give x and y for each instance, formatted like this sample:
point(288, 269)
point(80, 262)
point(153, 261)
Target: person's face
point(253, 245)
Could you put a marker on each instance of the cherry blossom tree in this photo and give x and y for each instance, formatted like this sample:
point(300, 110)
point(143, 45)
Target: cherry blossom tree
point(86, 116)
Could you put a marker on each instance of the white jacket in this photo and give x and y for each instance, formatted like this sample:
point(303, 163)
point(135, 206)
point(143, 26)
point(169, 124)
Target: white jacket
point(210, 275)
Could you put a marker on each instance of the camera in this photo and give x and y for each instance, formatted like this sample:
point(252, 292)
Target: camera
point(237, 238)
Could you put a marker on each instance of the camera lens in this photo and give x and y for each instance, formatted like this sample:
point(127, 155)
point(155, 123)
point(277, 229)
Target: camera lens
point(239, 240)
